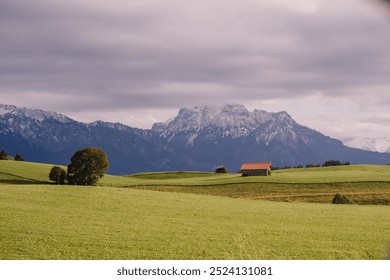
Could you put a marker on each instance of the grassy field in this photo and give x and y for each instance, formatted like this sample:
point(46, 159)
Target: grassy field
point(68, 222)
point(359, 192)
point(123, 219)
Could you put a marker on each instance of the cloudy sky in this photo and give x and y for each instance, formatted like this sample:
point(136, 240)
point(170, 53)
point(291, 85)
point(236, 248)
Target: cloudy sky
point(326, 62)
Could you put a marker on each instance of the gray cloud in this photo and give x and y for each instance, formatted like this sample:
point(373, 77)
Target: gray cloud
point(115, 55)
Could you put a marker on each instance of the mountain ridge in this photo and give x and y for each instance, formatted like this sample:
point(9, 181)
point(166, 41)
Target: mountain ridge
point(198, 138)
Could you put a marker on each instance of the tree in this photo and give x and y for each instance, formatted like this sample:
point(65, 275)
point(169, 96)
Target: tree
point(57, 175)
point(87, 166)
point(3, 155)
point(18, 157)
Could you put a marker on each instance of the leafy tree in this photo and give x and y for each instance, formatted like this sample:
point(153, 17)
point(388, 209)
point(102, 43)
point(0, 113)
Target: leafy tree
point(18, 157)
point(57, 175)
point(87, 166)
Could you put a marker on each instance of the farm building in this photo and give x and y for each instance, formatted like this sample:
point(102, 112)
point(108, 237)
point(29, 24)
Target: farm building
point(256, 169)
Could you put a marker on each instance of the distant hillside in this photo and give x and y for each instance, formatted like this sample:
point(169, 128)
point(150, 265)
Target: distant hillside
point(199, 139)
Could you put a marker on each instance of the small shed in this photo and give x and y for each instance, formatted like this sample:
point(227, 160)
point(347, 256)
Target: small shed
point(256, 169)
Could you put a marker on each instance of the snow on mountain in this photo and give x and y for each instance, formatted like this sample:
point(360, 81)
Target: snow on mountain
point(5, 109)
point(198, 138)
point(35, 114)
point(35, 125)
point(233, 121)
point(381, 144)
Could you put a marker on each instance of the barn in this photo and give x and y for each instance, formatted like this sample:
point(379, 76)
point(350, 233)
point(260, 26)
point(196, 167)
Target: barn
point(256, 169)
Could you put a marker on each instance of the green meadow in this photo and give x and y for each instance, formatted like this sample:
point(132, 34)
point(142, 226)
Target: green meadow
point(196, 215)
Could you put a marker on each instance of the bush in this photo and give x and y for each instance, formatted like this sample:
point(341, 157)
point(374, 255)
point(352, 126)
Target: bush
point(221, 169)
point(341, 199)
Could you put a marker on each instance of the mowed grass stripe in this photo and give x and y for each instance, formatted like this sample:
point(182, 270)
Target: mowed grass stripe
point(68, 222)
point(360, 192)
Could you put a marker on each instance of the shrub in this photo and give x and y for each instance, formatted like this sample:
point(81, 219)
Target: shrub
point(341, 199)
point(221, 169)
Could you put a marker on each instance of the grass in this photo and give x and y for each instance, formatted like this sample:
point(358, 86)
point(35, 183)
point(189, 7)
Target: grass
point(68, 222)
point(38, 173)
point(364, 184)
point(195, 215)
point(359, 192)
point(337, 174)
point(17, 172)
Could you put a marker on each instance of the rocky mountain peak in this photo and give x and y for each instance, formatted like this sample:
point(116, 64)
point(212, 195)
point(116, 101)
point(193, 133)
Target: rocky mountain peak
point(231, 120)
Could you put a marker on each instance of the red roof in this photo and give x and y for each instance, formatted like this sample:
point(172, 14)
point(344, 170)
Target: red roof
point(255, 165)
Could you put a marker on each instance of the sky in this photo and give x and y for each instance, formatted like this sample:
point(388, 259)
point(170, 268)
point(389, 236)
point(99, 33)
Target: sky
point(325, 62)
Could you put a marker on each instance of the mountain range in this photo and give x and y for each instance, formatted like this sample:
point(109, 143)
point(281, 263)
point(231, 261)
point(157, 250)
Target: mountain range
point(198, 138)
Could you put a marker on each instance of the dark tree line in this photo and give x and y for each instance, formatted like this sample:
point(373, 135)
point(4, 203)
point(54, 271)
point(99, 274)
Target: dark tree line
point(335, 163)
point(311, 165)
point(4, 156)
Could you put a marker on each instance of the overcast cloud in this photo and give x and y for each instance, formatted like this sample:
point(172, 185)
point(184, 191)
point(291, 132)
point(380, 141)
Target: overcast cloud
point(326, 62)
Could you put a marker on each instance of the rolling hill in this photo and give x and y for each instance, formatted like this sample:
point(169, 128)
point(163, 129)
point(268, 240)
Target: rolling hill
point(42, 221)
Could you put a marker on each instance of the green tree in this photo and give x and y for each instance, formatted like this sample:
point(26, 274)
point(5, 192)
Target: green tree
point(18, 157)
point(57, 175)
point(87, 166)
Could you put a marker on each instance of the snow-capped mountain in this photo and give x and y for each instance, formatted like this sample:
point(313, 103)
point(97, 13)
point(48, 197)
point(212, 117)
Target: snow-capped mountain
point(198, 138)
point(213, 122)
point(52, 138)
point(380, 144)
point(231, 134)
point(33, 114)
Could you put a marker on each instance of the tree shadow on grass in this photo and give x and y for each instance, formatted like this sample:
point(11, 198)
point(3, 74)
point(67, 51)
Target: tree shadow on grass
point(19, 180)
